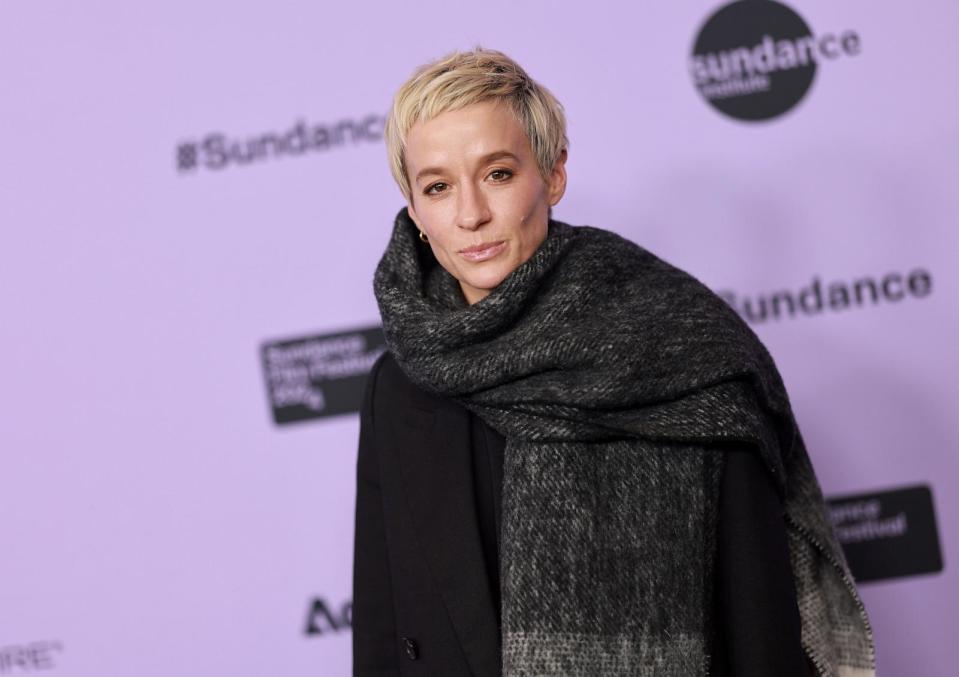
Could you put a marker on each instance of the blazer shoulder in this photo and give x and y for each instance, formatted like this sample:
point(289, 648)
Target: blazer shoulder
point(385, 384)
point(389, 389)
point(388, 377)
point(384, 378)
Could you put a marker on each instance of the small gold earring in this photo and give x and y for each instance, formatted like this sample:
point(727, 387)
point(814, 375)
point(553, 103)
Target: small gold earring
point(423, 236)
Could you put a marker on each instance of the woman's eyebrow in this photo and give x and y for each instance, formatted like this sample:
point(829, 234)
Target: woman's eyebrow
point(498, 155)
point(489, 157)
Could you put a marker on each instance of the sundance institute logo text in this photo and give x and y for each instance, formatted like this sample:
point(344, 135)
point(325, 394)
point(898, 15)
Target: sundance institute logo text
point(755, 60)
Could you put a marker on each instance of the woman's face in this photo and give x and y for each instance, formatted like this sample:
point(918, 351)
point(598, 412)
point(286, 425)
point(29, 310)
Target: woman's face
point(474, 183)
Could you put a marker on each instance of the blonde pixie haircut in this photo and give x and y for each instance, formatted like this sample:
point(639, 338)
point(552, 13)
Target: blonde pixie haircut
point(463, 78)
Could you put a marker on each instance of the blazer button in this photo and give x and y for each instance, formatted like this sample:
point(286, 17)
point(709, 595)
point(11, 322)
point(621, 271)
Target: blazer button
point(411, 651)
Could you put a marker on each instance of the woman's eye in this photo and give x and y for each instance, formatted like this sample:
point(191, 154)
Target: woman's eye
point(500, 174)
point(435, 188)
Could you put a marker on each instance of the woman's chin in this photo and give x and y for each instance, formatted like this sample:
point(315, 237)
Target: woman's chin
point(489, 280)
point(479, 286)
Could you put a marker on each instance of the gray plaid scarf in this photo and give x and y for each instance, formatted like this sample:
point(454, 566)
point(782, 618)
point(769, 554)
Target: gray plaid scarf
point(617, 379)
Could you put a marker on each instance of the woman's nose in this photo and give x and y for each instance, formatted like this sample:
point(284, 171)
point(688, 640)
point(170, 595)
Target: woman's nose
point(473, 208)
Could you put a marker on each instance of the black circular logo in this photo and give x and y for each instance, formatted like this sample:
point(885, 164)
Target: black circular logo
point(754, 59)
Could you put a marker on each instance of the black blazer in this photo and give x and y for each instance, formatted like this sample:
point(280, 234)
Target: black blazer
point(422, 604)
point(422, 598)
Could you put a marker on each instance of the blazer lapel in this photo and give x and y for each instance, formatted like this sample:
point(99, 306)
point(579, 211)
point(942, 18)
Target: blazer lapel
point(433, 444)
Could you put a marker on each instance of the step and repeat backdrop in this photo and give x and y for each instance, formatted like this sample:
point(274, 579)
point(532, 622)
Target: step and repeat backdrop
point(193, 198)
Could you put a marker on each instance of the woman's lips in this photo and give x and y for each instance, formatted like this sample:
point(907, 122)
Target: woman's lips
point(487, 252)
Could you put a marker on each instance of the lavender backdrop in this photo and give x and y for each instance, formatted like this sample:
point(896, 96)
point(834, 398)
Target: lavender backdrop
point(154, 518)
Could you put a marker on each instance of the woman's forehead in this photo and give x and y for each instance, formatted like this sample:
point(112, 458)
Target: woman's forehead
point(475, 134)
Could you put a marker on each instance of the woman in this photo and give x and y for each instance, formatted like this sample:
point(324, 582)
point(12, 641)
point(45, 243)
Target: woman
point(574, 458)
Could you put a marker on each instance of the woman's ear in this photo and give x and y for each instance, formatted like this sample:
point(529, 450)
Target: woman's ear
point(557, 179)
point(412, 212)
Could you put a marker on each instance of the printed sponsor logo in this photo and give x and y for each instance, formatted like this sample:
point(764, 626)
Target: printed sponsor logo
point(217, 151)
point(888, 534)
point(820, 297)
point(17, 659)
point(324, 619)
point(755, 60)
point(317, 376)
